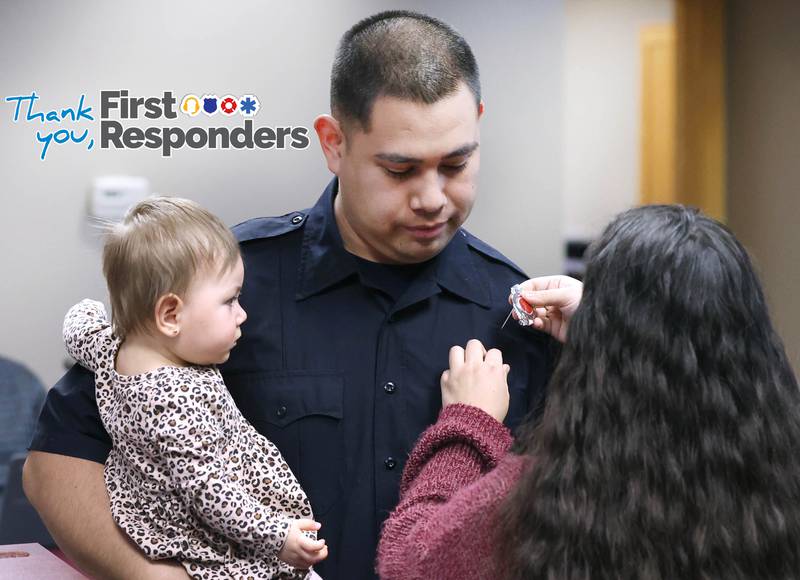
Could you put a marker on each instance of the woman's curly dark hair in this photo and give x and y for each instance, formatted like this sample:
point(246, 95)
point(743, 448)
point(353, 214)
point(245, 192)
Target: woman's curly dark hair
point(670, 444)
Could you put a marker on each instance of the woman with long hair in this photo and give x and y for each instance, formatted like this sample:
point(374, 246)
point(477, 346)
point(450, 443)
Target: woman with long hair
point(669, 446)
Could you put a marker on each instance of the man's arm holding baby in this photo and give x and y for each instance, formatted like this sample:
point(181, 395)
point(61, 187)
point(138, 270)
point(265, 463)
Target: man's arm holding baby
point(63, 478)
point(70, 496)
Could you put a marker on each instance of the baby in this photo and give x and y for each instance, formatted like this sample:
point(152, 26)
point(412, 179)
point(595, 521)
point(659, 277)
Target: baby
point(188, 477)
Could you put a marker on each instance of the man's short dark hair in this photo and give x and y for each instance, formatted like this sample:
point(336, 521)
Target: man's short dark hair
point(399, 54)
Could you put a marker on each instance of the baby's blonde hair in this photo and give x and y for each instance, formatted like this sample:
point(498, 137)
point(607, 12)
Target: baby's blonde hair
point(156, 250)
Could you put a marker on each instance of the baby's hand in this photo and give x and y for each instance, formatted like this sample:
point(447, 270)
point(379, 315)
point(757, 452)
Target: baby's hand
point(301, 551)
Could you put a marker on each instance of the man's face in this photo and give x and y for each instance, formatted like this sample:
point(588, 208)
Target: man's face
point(407, 185)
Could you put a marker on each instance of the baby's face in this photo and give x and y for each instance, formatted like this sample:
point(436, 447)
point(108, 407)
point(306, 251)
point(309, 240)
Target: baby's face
point(211, 316)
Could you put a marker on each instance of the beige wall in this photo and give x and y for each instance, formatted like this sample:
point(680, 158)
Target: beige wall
point(602, 112)
point(763, 71)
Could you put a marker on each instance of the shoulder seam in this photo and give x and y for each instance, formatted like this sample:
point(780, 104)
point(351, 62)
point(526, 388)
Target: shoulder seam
point(269, 227)
point(478, 245)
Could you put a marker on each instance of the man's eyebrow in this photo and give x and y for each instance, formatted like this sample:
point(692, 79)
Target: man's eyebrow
point(395, 158)
point(461, 151)
point(400, 159)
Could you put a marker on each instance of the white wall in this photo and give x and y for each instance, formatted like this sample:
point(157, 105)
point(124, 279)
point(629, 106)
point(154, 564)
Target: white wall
point(601, 108)
point(280, 51)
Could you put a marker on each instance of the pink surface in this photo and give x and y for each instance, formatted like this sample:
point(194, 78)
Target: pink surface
point(39, 564)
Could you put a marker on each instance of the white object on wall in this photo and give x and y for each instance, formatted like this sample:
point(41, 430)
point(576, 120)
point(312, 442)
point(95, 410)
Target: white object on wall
point(112, 195)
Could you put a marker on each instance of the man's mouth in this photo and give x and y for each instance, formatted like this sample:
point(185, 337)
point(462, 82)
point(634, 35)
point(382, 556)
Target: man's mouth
point(427, 231)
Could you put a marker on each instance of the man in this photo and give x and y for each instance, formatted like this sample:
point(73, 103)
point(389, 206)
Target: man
point(353, 306)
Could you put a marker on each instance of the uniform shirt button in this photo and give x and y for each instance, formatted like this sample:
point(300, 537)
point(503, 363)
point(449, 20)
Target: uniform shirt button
point(389, 387)
point(297, 219)
point(390, 463)
point(281, 412)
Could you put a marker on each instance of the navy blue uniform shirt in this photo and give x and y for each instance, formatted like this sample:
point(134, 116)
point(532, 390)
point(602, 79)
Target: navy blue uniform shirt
point(339, 366)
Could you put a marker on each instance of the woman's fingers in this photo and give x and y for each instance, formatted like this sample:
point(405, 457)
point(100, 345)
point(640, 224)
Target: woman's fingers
point(548, 283)
point(456, 357)
point(560, 297)
point(494, 356)
point(475, 351)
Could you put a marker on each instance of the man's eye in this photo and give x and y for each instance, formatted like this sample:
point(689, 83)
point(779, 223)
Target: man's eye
point(454, 168)
point(398, 173)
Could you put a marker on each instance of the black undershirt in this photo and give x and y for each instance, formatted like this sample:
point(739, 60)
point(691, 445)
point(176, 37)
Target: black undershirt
point(392, 279)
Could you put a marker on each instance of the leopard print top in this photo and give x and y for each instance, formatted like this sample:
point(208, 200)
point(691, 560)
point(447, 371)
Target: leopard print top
point(188, 477)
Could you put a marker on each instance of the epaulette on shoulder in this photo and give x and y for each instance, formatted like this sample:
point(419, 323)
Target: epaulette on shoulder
point(488, 251)
point(269, 227)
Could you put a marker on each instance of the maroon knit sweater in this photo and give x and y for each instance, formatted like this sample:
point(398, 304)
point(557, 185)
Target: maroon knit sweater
point(455, 479)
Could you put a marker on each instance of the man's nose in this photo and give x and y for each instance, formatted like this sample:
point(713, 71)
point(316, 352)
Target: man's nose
point(429, 196)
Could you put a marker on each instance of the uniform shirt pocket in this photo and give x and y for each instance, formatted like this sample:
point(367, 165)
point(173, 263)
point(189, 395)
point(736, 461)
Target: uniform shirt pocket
point(301, 412)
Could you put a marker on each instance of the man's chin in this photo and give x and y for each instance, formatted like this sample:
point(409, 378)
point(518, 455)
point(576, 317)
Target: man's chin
point(423, 250)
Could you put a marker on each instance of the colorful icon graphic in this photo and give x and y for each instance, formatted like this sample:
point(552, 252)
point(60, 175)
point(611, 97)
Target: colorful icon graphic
point(228, 105)
point(249, 105)
point(210, 104)
point(190, 105)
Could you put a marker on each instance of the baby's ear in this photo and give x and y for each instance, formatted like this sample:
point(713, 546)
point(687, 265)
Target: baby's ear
point(168, 314)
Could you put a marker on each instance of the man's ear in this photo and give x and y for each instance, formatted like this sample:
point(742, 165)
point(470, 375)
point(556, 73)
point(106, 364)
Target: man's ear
point(168, 315)
point(481, 107)
point(331, 139)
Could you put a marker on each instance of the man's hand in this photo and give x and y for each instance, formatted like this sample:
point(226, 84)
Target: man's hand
point(554, 299)
point(478, 378)
point(301, 551)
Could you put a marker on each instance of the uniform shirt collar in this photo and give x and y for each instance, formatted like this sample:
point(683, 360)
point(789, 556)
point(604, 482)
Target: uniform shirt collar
point(324, 261)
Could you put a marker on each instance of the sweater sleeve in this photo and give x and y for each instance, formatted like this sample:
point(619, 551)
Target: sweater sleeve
point(191, 442)
point(87, 333)
point(443, 489)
